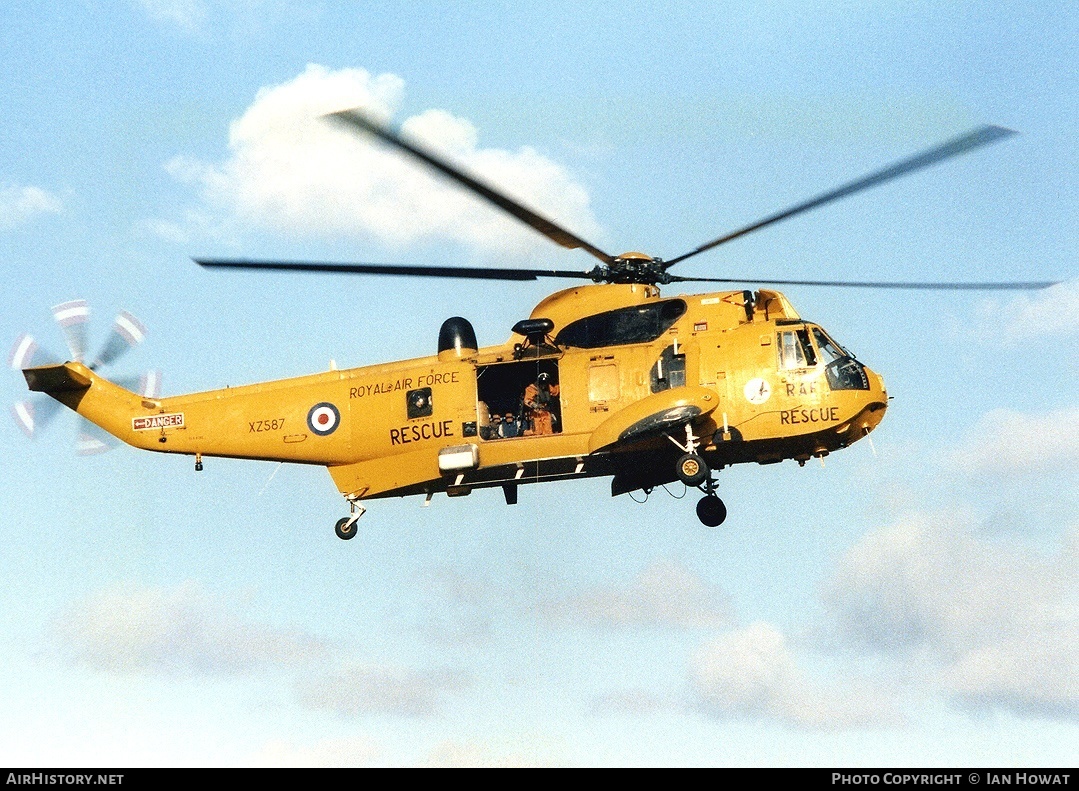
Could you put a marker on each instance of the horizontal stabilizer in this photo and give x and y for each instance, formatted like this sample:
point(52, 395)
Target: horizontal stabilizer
point(55, 379)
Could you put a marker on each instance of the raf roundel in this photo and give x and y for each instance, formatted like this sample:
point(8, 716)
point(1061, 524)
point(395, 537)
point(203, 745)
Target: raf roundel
point(323, 419)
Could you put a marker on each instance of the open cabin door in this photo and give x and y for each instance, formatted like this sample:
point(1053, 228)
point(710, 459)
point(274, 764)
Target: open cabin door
point(519, 398)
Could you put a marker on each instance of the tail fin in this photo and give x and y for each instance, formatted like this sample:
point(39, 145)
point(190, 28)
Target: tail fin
point(63, 382)
point(53, 379)
point(82, 390)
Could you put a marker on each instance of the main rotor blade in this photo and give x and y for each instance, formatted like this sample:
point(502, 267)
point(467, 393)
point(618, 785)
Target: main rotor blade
point(551, 230)
point(981, 136)
point(475, 273)
point(1016, 286)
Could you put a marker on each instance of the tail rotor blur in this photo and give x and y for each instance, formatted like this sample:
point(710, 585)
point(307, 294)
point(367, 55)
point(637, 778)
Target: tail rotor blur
point(73, 317)
point(25, 353)
point(33, 415)
point(127, 333)
point(148, 384)
point(92, 440)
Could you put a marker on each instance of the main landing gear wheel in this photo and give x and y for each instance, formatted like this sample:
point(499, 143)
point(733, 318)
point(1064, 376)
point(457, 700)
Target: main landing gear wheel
point(711, 511)
point(345, 528)
point(691, 470)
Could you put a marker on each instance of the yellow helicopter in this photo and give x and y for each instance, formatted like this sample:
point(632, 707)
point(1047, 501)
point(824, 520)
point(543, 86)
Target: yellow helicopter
point(606, 378)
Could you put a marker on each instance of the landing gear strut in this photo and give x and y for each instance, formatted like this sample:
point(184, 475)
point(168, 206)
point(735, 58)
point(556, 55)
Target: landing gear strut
point(690, 467)
point(692, 470)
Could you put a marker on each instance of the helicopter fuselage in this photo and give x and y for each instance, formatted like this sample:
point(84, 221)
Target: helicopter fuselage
point(631, 379)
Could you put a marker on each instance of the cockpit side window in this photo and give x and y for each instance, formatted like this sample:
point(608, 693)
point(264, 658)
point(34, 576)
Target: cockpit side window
point(669, 370)
point(807, 347)
point(795, 350)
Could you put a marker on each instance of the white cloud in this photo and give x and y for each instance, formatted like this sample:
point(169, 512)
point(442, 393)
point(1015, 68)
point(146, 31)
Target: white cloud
point(751, 672)
point(174, 630)
point(21, 204)
point(356, 689)
point(1019, 444)
point(469, 609)
point(291, 170)
point(187, 14)
point(1000, 623)
point(168, 230)
point(468, 755)
point(665, 593)
point(1046, 314)
point(1036, 674)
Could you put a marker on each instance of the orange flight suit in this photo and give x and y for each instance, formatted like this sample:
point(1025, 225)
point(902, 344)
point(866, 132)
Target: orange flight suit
point(538, 409)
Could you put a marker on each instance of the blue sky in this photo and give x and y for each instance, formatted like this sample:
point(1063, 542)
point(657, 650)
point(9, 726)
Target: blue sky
point(910, 603)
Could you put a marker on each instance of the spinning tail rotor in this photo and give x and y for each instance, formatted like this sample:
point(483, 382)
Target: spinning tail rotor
point(33, 415)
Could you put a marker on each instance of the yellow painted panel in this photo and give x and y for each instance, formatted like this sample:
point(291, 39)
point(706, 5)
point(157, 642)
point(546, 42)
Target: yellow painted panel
point(603, 383)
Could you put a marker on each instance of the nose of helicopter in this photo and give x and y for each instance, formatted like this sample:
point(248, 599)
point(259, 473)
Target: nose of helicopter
point(870, 402)
point(874, 405)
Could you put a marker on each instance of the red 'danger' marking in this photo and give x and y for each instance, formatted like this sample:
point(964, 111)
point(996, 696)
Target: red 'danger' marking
point(174, 420)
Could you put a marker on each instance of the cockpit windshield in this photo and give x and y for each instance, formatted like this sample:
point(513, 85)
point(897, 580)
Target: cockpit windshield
point(840, 368)
point(829, 350)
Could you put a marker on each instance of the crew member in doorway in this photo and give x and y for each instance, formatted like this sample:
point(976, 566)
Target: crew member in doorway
point(508, 427)
point(540, 405)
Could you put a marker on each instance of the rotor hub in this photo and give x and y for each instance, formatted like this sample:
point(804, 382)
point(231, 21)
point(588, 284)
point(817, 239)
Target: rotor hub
point(632, 267)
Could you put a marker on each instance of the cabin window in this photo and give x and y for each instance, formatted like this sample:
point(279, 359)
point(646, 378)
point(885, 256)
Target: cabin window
point(419, 403)
point(669, 371)
point(795, 350)
point(635, 324)
point(603, 382)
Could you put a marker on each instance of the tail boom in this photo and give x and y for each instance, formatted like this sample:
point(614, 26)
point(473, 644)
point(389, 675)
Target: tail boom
point(251, 422)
